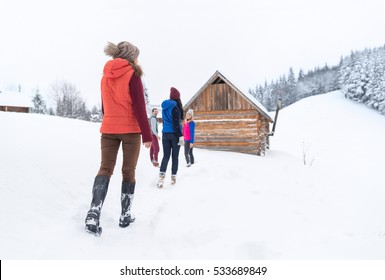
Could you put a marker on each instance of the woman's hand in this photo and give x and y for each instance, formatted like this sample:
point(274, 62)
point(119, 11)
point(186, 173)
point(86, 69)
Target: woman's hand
point(147, 144)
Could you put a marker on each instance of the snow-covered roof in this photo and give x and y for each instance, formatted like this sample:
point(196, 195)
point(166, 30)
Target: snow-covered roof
point(248, 96)
point(15, 99)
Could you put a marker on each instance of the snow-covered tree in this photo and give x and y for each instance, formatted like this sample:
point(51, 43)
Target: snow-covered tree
point(362, 77)
point(96, 114)
point(69, 103)
point(291, 87)
point(301, 76)
point(39, 105)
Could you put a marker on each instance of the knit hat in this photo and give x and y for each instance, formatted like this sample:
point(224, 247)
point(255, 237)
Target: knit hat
point(174, 94)
point(124, 50)
point(190, 112)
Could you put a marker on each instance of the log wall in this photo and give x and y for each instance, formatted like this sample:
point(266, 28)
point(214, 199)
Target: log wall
point(227, 121)
point(14, 109)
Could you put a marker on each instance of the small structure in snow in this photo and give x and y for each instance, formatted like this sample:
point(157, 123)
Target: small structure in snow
point(15, 102)
point(229, 120)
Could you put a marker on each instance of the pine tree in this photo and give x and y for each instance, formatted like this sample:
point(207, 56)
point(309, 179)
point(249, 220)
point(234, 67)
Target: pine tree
point(39, 104)
point(301, 76)
point(362, 78)
point(291, 87)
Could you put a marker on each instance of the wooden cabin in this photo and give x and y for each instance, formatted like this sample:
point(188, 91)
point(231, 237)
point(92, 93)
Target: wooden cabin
point(227, 119)
point(15, 102)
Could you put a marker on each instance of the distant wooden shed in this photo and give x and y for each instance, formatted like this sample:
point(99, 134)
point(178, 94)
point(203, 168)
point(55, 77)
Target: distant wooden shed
point(15, 102)
point(227, 119)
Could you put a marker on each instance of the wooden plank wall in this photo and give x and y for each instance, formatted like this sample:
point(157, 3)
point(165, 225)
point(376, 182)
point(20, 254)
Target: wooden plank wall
point(218, 97)
point(226, 121)
point(14, 109)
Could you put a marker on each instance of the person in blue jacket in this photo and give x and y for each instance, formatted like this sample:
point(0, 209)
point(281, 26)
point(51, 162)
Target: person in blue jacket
point(172, 114)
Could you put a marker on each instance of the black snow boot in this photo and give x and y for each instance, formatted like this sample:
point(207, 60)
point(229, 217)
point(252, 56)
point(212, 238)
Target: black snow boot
point(99, 192)
point(128, 190)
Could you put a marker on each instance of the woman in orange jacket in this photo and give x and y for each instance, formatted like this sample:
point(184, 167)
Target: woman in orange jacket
point(124, 122)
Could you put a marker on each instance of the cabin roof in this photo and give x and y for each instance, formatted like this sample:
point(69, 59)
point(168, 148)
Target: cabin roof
point(15, 99)
point(218, 78)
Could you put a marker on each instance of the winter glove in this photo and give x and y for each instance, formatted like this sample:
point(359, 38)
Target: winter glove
point(181, 142)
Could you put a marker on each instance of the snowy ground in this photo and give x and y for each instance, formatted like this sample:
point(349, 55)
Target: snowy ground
point(317, 194)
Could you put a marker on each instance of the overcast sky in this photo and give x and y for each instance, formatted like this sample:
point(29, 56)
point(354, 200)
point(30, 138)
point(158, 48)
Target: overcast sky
point(182, 43)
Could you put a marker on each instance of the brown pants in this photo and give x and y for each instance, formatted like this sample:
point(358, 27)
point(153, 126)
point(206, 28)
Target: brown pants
point(110, 144)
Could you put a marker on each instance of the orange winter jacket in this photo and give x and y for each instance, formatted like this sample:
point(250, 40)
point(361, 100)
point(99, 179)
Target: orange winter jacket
point(116, 98)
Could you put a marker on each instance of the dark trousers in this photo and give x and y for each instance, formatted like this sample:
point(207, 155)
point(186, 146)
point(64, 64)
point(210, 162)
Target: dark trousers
point(170, 148)
point(154, 150)
point(110, 144)
point(188, 152)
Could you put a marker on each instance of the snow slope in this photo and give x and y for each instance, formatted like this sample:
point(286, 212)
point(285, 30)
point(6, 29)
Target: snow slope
point(317, 194)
